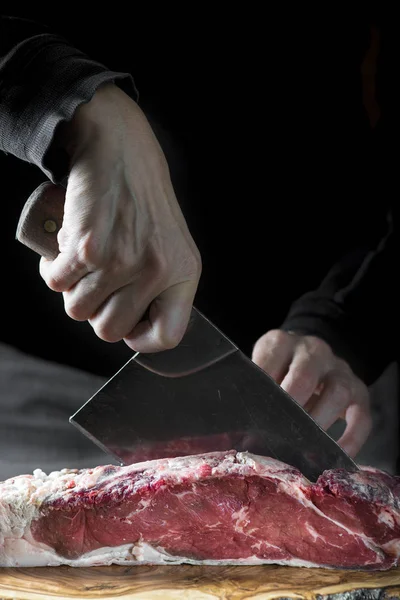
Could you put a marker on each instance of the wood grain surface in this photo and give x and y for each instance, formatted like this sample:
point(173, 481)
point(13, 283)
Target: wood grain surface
point(193, 583)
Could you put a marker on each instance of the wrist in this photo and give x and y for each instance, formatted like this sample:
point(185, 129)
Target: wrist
point(91, 120)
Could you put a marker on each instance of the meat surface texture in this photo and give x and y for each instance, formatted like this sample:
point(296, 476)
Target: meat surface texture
point(216, 508)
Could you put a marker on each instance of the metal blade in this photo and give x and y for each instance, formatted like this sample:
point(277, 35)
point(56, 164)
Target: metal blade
point(203, 396)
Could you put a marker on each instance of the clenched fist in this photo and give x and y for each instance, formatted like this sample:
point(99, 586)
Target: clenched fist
point(125, 249)
point(323, 384)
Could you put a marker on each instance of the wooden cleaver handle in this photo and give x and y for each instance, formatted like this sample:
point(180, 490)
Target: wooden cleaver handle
point(41, 219)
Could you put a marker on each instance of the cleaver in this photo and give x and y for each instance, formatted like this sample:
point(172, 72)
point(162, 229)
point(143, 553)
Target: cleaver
point(204, 395)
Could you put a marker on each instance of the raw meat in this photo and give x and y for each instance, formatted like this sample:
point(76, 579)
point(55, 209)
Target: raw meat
point(217, 508)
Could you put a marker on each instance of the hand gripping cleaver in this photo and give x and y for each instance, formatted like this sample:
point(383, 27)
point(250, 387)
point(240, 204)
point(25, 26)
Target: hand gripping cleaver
point(204, 395)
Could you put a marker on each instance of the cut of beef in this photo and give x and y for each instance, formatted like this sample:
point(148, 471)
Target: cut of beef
point(218, 508)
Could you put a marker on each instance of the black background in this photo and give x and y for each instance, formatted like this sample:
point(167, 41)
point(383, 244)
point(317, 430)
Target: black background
point(272, 156)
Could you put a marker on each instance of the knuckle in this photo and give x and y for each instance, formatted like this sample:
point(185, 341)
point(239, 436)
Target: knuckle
point(157, 264)
point(274, 338)
point(89, 253)
point(83, 248)
point(262, 356)
point(106, 331)
point(319, 344)
point(258, 357)
point(188, 268)
point(258, 348)
point(75, 310)
point(55, 283)
point(318, 349)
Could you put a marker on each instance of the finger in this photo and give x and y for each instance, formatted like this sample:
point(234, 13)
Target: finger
point(311, 402)
point(273, 353)
point(87, 297)
point(335, 398)
point(122, 311)
point(167, 320)
point(358, 428)
point(63, 272)
point(304, 376)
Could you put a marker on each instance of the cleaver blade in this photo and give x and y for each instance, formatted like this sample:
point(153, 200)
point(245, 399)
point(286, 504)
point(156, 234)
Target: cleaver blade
point(204, 395)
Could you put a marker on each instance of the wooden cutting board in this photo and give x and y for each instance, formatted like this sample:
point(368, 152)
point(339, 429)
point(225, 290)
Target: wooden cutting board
point(195, 583)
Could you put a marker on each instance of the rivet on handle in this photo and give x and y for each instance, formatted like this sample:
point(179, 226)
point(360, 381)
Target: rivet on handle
point(50, 226)
point(41, 219)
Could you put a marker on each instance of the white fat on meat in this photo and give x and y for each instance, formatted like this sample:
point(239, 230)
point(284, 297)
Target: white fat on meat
point(22, 499)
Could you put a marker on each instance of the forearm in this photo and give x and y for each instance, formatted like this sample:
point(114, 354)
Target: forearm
point(356, 308)
point(43, 80)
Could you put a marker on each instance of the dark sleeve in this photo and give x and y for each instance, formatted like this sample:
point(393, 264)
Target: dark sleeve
point(43, 79)
point(356, 308)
